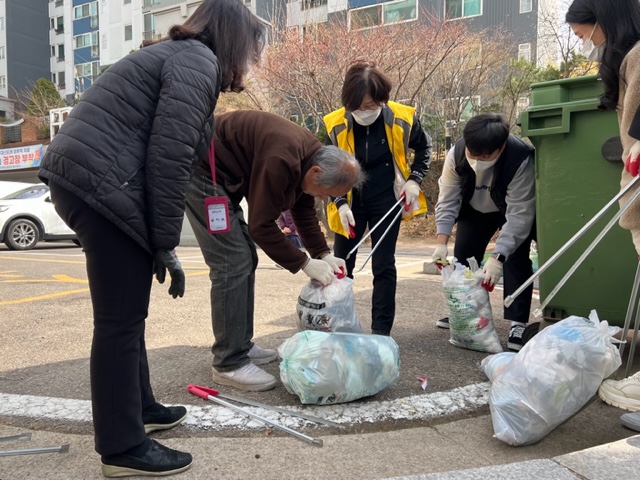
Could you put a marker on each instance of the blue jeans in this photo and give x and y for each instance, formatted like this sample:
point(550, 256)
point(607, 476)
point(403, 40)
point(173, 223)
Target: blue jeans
point(232, 261)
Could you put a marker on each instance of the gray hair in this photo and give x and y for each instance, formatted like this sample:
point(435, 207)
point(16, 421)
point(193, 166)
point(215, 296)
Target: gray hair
point(337, 168)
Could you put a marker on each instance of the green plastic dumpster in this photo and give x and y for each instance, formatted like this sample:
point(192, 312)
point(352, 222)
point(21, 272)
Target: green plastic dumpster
point(578, 169)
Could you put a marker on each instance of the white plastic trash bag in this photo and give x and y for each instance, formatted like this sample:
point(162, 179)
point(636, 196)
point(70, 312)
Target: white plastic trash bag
point(551, 378)
point(470, 317)
point(494, 364)
point(328, 308)
point(325, 368)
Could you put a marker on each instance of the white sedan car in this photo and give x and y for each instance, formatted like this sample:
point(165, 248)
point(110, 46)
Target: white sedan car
point(27, 216)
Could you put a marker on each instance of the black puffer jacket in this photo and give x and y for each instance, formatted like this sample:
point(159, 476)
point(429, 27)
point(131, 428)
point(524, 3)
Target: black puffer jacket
point(130, 145)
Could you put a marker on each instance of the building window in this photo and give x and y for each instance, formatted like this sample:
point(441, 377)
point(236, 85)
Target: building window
point(127, 2)
point(526, 6)
point(53, 78)
point(86, 40)
point(1, 53)
point(61, 83)
point(399, 11)
point(463, 8)
point(3, 82)
point(58, 24)
point(90, 69)
point(307, 4)
point(383, 14)
point(128, 33)
point(86, 10)
point(524, 51)
point(60, 52)
point(1, 23)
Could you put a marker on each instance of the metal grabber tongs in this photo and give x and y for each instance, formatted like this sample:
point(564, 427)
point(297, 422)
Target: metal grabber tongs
point(364, 237)
point(29, 451)
point(636, 283)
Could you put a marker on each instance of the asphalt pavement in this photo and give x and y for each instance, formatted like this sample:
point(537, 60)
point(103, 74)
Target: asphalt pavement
point(444, 431)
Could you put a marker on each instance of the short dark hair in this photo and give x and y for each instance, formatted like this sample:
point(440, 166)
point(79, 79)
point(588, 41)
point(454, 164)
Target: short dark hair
point(485, 133)
point(231, 31)
point(364, 78)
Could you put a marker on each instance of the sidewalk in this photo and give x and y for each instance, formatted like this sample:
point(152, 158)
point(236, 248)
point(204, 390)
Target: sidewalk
point(444, 431)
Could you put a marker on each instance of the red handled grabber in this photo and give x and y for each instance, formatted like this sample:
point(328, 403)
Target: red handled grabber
point(211, 394)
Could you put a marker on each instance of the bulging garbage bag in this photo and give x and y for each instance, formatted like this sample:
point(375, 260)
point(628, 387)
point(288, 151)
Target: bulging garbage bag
point(328, 308)
point(470, 317)
point(326, 368)
point(551, 378)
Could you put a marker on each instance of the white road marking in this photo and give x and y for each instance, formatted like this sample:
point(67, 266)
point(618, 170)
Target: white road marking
point(215, 417)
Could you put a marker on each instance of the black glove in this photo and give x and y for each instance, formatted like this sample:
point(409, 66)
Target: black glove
point(168, 260)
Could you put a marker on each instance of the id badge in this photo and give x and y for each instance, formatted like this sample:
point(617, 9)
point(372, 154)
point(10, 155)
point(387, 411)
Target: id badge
point(217, 209)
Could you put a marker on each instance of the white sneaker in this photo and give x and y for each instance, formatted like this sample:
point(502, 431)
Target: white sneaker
point(623, 393)
point(249, 378)
point(262, 356)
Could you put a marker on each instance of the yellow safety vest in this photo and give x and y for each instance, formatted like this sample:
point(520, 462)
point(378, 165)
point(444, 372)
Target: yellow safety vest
point(398, 120)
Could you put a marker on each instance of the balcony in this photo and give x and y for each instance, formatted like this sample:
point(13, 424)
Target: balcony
point(59, 29)
point(151, 35)
point(60, 59)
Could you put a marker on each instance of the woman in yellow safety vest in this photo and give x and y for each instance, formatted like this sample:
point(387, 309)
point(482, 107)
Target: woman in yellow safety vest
point(379, 133)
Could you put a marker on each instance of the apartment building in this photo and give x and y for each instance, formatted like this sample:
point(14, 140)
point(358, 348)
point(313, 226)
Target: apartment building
point(519, 17)
point(24, 45)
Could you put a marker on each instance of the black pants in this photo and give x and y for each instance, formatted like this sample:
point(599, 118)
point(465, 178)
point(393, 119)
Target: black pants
point(120, 274)
point(474, 233)
point(383, 262)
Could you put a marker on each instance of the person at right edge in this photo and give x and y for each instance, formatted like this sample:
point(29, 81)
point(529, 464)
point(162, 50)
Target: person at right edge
point(118, 171)
point(610, 34)
point(379, 133)
point(488, 185)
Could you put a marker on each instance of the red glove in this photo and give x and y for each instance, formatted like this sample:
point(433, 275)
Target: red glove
point(632, 162)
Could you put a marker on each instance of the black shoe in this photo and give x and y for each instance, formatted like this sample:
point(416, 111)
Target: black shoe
point(381, 332)
point(157, 461)
point(514, 342)
point(443, 323)
point(161, 418)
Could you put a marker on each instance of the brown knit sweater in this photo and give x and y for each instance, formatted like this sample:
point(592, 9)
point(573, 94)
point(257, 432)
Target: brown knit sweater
point(628, 104)
point(263, 157)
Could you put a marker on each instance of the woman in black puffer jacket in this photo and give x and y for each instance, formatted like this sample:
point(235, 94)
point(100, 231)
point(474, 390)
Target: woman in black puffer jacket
point(118, 170)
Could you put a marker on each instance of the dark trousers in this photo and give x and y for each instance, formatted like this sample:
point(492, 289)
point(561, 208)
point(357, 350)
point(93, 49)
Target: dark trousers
point(120, 276)
point(474, 233)
point(383, 262)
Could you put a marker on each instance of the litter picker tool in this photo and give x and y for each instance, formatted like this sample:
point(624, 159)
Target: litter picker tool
point(29, 451)
point(364, 237)
point(381, 237)
point(211, 394)
point(509, 300)
point(253, 403)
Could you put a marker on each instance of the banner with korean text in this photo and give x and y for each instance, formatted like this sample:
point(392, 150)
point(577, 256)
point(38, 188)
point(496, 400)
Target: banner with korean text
point(20, 157)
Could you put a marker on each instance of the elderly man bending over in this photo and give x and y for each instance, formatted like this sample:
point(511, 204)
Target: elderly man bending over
point(277, 166)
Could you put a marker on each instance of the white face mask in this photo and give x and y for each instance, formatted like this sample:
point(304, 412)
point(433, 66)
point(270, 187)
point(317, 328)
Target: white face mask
point(480, 166)
point(589, 50)
point(366, 117)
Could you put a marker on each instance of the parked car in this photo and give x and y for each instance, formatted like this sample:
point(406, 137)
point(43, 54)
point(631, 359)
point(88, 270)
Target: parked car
point(9, 187)
point(27, 217)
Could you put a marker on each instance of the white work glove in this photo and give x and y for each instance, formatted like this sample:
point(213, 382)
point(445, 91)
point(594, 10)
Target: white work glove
point(319, 270)
point(632, 162)
point(346, 217)
point(337, 264)
point(440, 254)
point(411, 190)
point(492, 273)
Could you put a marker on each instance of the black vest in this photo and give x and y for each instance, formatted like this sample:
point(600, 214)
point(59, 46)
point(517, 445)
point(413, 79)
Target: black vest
point(515, 152)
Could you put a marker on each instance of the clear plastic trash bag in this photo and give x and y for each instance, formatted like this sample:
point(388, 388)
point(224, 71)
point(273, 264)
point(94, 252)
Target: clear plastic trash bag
point(328, 308)
point(551, 378)
point(326, 368)
point(470, 317)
